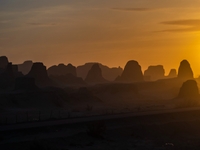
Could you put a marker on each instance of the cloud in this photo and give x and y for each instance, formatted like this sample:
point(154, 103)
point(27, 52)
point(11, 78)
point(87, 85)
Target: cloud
point(133, 9)
point(191, 24)
point(188, 22)
point(41, 24)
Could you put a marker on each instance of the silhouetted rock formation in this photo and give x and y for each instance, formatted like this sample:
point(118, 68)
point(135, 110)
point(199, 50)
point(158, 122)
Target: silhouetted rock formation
point(62, 69)
point(25, 83)
point(155, 72)
point(7, 76)
point(185, 70)
point(25, 67)
point(16, 73)
point(172, 73)
point(15, 69)
point(147, 78)
point(108, 73)
point(132, 72)
point(3, 62)
point(189, 89)
point(39, 72)
point(67, 79)
point(95, 75)
point(9, 70)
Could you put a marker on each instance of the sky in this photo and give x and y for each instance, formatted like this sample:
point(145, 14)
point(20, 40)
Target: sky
point(153, 32)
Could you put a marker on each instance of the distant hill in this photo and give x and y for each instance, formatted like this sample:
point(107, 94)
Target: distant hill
point(62, 70)
point(108, 73)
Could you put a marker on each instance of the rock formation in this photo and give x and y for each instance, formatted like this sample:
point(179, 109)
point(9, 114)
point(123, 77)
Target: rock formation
point(172, 73)
point(62, 69)
point(7, 76)
point(25, 67)
point(95, 75)
point(25, 83)
point(9, 70)
point(3, 62)
point(189, 89)
point(39, 72)
point(132, 72)
point(109, 74)
point(16, 73)
point(15, 69)
point(155, 72)
point(185, 70)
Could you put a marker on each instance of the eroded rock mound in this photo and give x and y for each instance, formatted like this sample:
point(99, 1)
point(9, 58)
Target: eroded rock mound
point(95, 75)
point(132, 72)
point(155, 72)
point(172, 73)
point(189, 89)
point(62, 69)
point(25, 67)
point(6, 76)
point(185, 71)
point(39, 72)
point(3, 62)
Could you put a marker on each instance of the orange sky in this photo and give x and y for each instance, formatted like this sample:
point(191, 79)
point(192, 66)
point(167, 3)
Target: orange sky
point(107, 31)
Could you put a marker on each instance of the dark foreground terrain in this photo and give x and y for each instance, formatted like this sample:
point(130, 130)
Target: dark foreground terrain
point(173, 130)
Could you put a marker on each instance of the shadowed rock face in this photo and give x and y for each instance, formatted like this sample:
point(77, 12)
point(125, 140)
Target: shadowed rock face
point(15, 69)
point(132, 72)
point(39, 72)
point(25, 67)
point(25, 83)
point(3, 62)
point(189, 89)
point(95, 75)
point(16, 72)
point(172, 73)
point(6, 76)
point(62, 69)
point(155, 72)
point(185, 70)
point(109, 74)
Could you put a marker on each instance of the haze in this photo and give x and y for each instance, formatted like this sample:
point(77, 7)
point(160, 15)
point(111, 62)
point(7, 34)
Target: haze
point(111, 32)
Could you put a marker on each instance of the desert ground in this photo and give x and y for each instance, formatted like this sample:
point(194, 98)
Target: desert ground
point(178, 129)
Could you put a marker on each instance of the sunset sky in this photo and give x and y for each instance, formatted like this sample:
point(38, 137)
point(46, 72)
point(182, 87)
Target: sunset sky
point(107, 31)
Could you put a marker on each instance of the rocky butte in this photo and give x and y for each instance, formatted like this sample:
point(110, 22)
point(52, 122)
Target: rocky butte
point(132, 72)
point(155, 72)
point(3, 62)
point(189, 89)
point(172, 73)
point(185, 71)
point(95, 75)
point(39, 72)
